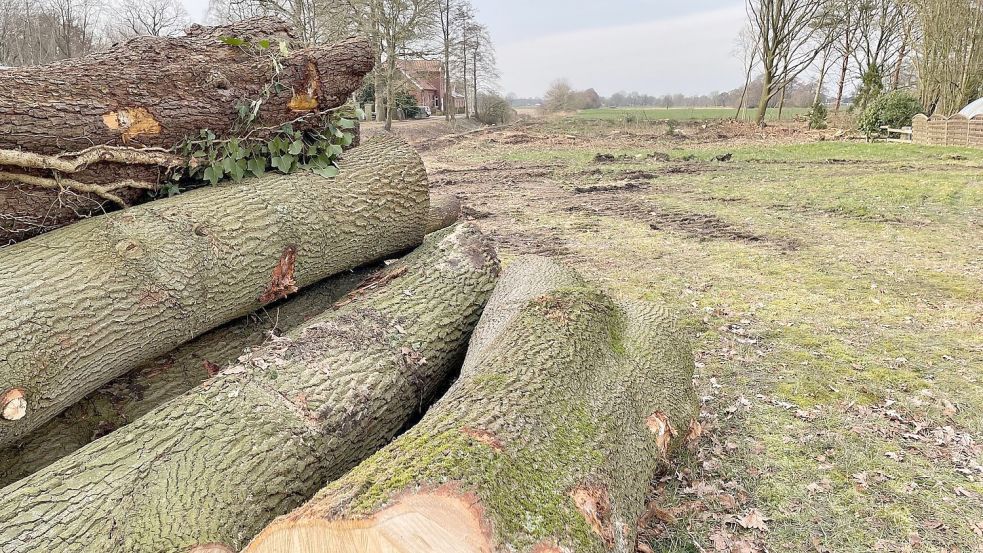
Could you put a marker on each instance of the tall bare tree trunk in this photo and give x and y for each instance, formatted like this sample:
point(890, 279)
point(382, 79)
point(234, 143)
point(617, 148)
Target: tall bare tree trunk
point(766, 93)
point(844, 67)
point(568, 404)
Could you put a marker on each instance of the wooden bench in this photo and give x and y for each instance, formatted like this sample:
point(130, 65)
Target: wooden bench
point(896, 135)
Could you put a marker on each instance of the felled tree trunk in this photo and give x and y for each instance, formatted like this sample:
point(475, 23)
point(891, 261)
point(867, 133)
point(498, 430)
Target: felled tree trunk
point(145, 388)
point(215, 465)
point(150, 92)
point(445, 210)
point(90, 302)
point(568, 403)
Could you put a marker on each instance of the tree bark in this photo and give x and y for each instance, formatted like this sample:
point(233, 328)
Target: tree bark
point(217, 464)
point(445, 210)
point(88, 303)
point(567, 405)
point(143, 389)
point(842, 81)
point(156, 91)
point(767, 81)
point(152, 92)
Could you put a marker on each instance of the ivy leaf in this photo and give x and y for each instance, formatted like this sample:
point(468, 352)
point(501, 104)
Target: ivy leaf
point(213, 174)
point(346, 123)
point(228, 164)
point(284, 49)
point(296, 147)
point(347, 140)
point(327, 172)
point(257, 166)
point(264, 43)
point(283, 163)
point(336, 150)
point(232, 41)
point(238, 170)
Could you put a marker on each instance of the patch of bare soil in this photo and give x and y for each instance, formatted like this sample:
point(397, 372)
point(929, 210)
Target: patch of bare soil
point(532, 243)
point(607, 187)
point(699, 225)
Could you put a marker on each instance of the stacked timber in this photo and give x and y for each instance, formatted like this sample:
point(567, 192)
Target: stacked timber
point(314, 358)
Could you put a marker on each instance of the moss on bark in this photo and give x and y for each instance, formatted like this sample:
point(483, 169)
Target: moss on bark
point(568, 404)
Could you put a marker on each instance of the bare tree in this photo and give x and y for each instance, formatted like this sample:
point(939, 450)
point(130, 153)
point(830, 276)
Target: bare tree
point(149, 18)
point(465, 18)
point(747, 50)
point(446, 10)
point(949, 58)
point(484, 69)
point(558, 97)
point(846, 21)
point(880, 32)
point(791, 35)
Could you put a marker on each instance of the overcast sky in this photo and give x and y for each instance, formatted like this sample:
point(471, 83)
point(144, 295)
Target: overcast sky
point(652, 46)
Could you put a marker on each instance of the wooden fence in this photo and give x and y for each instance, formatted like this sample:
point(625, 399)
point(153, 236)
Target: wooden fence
point(957, 130)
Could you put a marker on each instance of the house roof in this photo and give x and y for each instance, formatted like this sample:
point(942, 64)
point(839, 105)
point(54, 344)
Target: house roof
point(425, 74)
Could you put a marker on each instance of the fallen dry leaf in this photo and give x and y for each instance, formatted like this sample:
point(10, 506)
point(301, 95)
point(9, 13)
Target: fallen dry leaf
point(753, 520)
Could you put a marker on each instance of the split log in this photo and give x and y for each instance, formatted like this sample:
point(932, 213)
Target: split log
point(214, 466)
point(143, 389)
point(150, 92)
point(88, 303)
point(568, 404)
point(445, 210)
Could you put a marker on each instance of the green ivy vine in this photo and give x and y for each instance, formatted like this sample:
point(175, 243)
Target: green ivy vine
point(259, 150)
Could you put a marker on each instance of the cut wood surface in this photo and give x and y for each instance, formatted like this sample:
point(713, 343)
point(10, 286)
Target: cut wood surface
point(145, 388)
point(568, 404)
point(88, 303)
point(149, 92)
point(215, 465)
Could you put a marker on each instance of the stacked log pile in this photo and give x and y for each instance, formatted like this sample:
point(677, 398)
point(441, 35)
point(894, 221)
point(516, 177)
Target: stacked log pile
point(177, 372)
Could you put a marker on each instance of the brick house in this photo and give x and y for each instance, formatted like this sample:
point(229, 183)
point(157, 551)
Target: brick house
point(425, 81)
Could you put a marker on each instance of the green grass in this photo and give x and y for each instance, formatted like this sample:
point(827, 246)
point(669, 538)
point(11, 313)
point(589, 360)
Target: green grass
point(675, 114)
point(847, 407)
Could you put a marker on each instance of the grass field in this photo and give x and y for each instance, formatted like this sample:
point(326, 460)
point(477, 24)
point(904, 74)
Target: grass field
point(676, 114)
point(835, 294)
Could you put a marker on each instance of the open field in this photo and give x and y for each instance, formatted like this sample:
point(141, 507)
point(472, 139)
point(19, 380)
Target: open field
point(835, 292)
point(677, 114)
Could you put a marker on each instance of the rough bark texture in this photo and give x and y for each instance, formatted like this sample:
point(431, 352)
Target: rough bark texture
point(153, 92)
point(215, 465)
point(145, 388)
point(90, 302)
point(569, 402)
point(445, 210)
